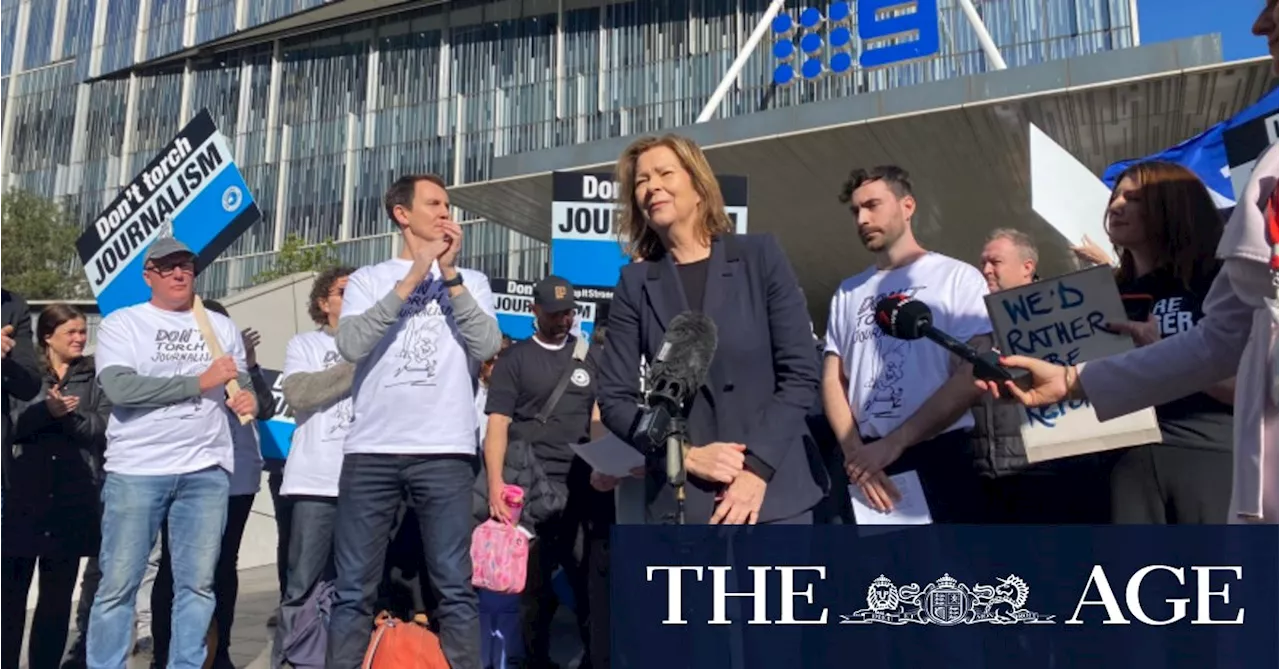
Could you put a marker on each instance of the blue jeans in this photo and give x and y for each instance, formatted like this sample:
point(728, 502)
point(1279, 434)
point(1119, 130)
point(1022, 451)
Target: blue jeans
point(369, 494)
point(134, 507)
point(310, 563)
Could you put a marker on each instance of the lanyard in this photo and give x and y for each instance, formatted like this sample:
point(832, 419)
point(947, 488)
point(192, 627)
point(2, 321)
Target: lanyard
point(1272, 216)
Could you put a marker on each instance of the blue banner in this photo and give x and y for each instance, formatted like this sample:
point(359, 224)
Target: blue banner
point(1223, 155)
point(193, 187)
point(275, 435)
point(989, 597)
point(513, 303)
point(585, 248)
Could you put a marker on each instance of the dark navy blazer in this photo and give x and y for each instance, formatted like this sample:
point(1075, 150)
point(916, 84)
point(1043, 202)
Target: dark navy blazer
point(762, 382)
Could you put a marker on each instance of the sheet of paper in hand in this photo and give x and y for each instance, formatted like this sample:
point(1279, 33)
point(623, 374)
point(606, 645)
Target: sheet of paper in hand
point(1061, 320)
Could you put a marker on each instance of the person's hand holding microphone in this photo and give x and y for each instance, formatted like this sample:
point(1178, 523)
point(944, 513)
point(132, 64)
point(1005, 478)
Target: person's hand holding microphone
point(1049, 383)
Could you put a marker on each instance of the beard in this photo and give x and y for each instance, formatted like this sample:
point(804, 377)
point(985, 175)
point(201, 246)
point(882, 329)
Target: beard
point(554, 330)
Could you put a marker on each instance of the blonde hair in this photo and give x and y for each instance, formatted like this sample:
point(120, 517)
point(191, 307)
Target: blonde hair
point(640, 240)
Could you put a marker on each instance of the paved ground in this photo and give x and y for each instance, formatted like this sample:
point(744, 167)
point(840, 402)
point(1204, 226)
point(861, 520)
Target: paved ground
point(259, 594)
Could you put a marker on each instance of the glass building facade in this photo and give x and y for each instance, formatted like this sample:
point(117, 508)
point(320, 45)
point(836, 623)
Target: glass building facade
point(322, 119)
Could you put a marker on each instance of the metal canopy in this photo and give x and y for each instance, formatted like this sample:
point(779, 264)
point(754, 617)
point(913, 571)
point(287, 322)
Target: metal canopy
point(964, 141)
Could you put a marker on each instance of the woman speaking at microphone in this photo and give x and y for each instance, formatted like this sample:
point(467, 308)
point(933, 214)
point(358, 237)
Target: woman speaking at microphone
point(748, 459)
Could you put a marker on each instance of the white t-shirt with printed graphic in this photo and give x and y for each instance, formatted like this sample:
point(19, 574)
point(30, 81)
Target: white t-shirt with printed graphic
point(179, 438)
point(414, 392)
point(890, 379)
point(315, 454)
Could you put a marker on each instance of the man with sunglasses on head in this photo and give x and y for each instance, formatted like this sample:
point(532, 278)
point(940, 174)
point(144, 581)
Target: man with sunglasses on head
point(169, 455)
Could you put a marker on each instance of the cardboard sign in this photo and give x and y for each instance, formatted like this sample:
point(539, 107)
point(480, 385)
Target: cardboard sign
point(1061, 320)
point(513, 303)
point(585, 248)
point(192, 186)
point(275, 435)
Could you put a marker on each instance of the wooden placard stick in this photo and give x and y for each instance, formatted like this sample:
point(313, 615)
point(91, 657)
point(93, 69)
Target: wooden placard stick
point(215, 348)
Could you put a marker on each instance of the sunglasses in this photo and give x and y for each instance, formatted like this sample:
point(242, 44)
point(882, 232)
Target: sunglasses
point(167, 270)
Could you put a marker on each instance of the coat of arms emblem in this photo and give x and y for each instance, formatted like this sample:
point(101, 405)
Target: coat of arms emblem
point(947, 602)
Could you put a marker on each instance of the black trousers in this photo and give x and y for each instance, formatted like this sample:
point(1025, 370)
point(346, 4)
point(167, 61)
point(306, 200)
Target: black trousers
point(226, 587)
point(561, 542)
point(945, 467)
point(1072, 491)
point(53, 608)
point(284, 520)
point(75, 658)
point(599, 515)
point(1161, 484)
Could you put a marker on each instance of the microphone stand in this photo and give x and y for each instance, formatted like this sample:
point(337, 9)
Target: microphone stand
point(675, 467)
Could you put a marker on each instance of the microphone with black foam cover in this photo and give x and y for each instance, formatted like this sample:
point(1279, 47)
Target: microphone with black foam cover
point(904, 318)
point(674, 376)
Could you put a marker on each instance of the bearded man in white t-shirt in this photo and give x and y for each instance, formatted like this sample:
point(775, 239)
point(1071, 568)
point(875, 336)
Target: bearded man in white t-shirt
point(169, 455)
point(417, 328)
point(896, 405)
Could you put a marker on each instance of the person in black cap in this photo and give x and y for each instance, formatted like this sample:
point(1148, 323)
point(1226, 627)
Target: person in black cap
point(550, 376)
point(168, 457)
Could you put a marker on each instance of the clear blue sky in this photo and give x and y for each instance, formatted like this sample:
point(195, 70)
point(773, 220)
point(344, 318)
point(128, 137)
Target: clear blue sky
point(1160, 20)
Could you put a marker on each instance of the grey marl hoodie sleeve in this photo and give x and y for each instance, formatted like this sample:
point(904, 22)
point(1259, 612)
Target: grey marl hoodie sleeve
point(307, 391)
point(359, 334)
point(477, 322)
point(127, 388)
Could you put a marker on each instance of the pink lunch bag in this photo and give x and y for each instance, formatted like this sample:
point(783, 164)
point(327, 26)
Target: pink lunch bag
point(500, 552)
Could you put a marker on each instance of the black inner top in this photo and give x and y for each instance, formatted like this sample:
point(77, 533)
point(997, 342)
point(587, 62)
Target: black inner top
point(693, 276)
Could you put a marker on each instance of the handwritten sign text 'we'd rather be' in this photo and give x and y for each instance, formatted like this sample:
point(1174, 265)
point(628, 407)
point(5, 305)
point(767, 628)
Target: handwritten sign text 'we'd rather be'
point(1062, 320)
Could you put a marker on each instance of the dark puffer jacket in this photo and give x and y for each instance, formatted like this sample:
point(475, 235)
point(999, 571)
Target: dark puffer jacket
point(997, 438)
point(52, 505)
point(543, 497)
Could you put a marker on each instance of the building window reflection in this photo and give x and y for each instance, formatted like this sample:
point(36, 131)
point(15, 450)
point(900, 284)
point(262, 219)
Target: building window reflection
point(448, 88)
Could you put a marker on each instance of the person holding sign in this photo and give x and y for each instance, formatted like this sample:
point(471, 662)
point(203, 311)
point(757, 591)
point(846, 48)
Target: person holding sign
point(1165, 227)
point(1017, 489)
point(899, 406)
point(169, 454)
point(246, 478)
point(1237, 332)
point(416, 327)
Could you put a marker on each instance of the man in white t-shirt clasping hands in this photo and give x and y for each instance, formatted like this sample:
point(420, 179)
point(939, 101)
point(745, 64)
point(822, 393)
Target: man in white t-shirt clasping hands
point(169, 455)
point(898, 405)
point(417, 328)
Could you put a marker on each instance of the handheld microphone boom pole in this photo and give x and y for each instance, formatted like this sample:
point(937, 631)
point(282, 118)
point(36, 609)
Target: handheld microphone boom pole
point(679, 369)
point(903, 318)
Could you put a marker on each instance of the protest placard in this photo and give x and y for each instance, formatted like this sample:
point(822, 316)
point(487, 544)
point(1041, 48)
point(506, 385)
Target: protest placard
point(513, 304)
point(191, 186)
point(276, 435)
point(1062, 320)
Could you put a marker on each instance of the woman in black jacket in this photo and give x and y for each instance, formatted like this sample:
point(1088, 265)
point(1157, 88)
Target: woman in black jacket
point(746, 422)
point(51, 516)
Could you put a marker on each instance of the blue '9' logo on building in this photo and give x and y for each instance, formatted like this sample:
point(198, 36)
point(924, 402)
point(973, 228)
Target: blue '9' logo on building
point(890, 32)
